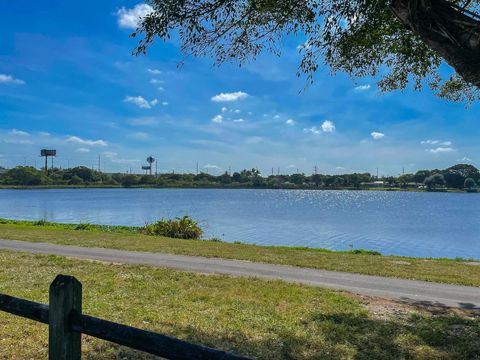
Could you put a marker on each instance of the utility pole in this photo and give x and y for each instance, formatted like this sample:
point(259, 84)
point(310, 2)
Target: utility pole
point(278, 170)
point(230, 170)
point(197, 168)
point(315, 169)
point(156, 168)
point(377, 173)
point(272, 171)
point(99, 169)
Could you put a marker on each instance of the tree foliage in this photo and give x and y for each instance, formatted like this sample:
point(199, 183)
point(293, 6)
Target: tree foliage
point(377, 38)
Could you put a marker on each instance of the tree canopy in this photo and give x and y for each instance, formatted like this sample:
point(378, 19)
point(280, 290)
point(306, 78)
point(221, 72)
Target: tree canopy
point(397, 41)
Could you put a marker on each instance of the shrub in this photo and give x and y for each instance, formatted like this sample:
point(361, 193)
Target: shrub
point(85, 226)
point(179, 228)
point(40, 223)
point(365, 252)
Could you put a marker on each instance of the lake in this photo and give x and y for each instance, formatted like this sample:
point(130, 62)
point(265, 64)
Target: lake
point(402, 223)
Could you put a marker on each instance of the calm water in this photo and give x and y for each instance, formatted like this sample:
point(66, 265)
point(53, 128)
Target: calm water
point(416, 224)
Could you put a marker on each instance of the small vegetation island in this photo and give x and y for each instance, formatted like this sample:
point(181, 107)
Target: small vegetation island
point(459, 177)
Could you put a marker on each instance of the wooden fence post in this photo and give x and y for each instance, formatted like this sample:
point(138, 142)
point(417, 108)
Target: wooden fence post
point(65, 298)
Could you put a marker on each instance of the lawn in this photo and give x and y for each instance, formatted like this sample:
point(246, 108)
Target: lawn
point(438, 270)
point(261, 319)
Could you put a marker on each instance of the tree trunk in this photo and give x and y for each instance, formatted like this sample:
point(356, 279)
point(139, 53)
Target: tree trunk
point(454, 35)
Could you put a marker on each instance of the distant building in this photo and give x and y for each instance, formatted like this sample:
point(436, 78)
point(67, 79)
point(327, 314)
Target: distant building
point(377, 183)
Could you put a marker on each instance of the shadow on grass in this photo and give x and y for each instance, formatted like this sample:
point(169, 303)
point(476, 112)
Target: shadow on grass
point(339, 336)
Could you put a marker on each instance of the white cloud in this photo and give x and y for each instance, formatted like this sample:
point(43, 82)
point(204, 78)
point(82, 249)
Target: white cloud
point(276, 116)
point(131, 18)
point(154, 71)
point(440, 150)
point(238, 120)
point(436, 142)
point(217, 119)
point(214, 167)
point(164, 103)
point(363, 88)
point(141, 102)
point(464, 159)
point(78, 140)
point(237, 111)
point(328, 126)
point(4, 78)
point(19, 132)
point(44, 133)
point(82, 150)
point(313, 130)
point(377, 135)
point(227, 97)
point(224, 109)
point(157, 81)
point(161, 88)
point(290, 122)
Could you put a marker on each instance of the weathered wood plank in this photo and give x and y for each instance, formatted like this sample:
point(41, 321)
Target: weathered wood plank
point(24, 308)
point(65, 299)
point(147, 341)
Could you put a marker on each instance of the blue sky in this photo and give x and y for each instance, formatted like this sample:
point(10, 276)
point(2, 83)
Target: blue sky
point(68, 81)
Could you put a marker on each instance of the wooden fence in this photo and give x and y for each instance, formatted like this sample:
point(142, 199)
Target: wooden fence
point(66, 324)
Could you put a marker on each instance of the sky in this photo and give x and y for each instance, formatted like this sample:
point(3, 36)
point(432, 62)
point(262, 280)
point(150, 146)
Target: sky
point(69, 81)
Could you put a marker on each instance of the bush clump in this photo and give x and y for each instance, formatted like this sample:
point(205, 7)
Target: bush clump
point(84, 226)
point(179, 228)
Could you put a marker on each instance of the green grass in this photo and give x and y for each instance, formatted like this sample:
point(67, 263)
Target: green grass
point(260, 319)
point(126, 238)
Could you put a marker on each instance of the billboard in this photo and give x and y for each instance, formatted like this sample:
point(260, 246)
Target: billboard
point(45, 152)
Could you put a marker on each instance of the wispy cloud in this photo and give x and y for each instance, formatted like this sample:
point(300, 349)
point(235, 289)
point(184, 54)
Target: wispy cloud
point(78, 140)
point(466, 159)
point(228, 97)
point(440, 150)
point(141, 102)
point(361, 88)
point(16, 132)
point(82, 150)
point(5, 79)
point(218, 119)
point(139, 135)
point(290, 122)
point(131, 18)
point(377, 135)
point(144, 121)
point(436, 142)
point(154, 71)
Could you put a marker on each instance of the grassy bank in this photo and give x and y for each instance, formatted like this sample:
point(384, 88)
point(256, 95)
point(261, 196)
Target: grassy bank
point(264, 320)
point(127, 238)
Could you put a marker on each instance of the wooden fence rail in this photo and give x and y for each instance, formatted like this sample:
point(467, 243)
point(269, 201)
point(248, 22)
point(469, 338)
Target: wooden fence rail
point(66, 324)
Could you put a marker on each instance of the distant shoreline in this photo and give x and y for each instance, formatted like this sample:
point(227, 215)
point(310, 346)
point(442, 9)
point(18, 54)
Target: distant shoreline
point(396, 189)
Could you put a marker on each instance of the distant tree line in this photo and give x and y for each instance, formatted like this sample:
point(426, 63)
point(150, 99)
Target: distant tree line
point(456, 177)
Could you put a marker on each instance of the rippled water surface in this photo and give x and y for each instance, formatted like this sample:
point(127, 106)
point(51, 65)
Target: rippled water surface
point(415, 224)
